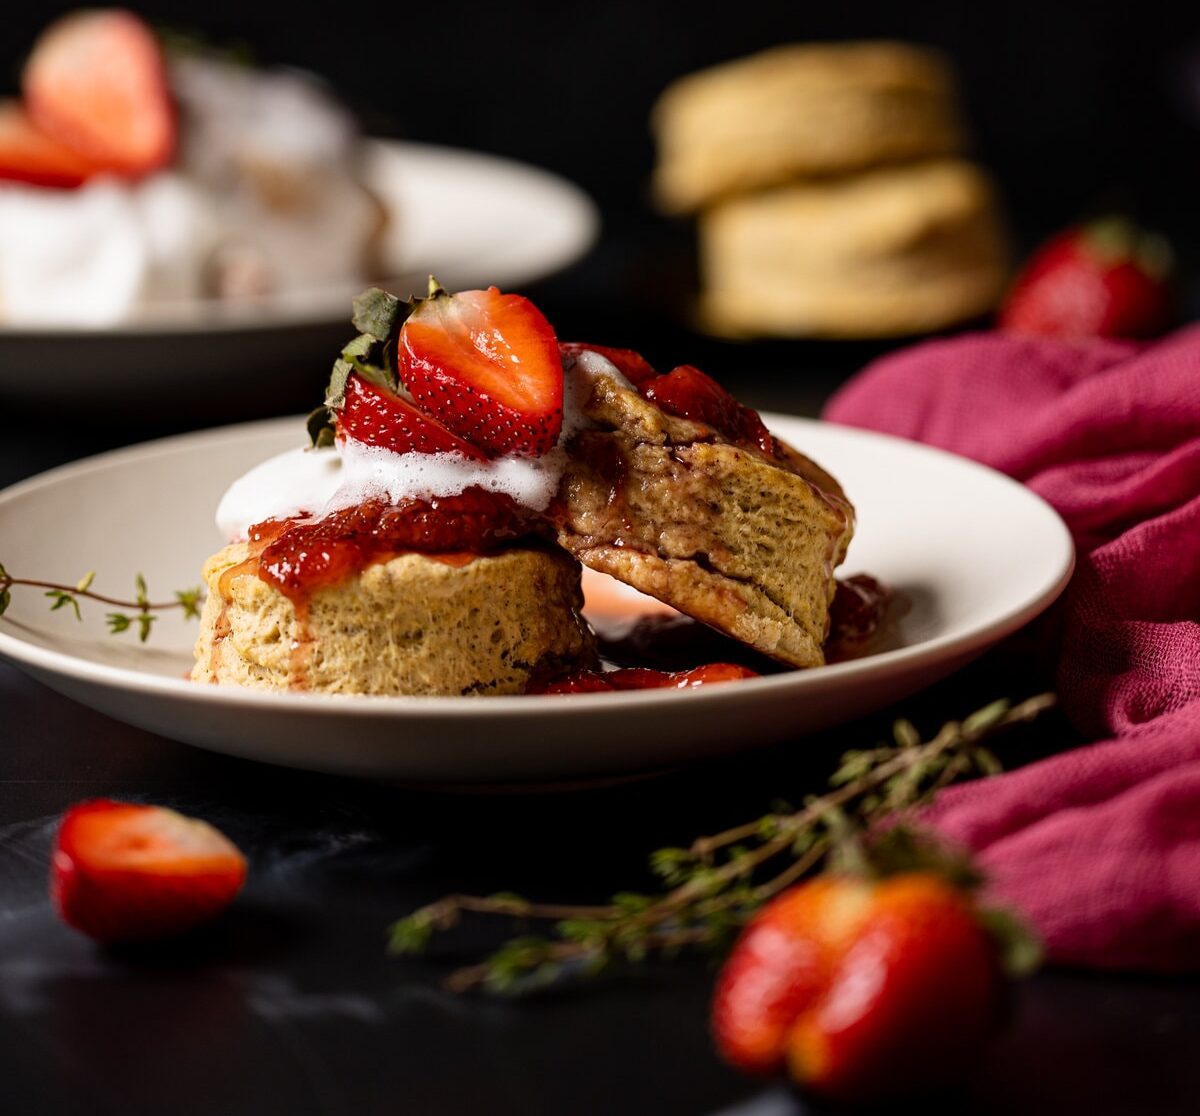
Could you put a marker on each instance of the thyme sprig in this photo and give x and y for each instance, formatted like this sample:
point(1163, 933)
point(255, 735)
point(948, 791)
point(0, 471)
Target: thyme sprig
point(715, 884)
point(140, 613)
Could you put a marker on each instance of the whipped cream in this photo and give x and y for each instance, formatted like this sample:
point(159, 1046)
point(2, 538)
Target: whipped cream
point(84, 257)
point(317, 482)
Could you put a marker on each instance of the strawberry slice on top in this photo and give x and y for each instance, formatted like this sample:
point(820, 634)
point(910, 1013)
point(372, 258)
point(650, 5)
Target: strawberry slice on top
point(687, 392)
point(27, 154)
point(126, 872)
point(487, 366)
point(377, 417)
point(96, 82)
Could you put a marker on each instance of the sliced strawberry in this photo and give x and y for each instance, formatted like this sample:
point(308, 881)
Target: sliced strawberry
point(487, 365)
point(123, 872)
point(633, 366)
point(644, 678)
point(96, 82)
point(376, 417)
point(29, 155)
point(689, 393)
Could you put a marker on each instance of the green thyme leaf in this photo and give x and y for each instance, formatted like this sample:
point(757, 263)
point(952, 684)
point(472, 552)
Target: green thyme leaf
point(118, 622)
point(5, 600)
point(145, 622)
point(985, 718)
point(61, 598)
point(410, 935)
point(190, 600)
point(85, 582)
point(139, 583)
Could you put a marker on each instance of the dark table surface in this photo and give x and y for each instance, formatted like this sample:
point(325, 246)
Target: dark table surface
point(290, 1004)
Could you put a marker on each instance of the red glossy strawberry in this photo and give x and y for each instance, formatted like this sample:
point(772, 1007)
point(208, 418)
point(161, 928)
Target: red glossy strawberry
point(866, 989)
point(689, 393)
point(1106, 279)
point(29, 155)
point(633, 366)
point(778, 969)
point(646, 678)
point(96, 82)
point(913, 998)
point(643, 678)
point(377, 417)
point(123, 872)
point(486, 365)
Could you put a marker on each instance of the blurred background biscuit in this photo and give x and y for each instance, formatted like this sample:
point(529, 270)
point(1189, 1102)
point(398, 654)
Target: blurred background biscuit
point(799, 111)
point(831, 196)
point(893, 251)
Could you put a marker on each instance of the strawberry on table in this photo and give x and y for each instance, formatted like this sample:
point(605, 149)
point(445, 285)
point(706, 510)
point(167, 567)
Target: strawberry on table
point(1106, 279)
point(487, 366)
point(96, 82)
point(123, 872)
point(863, 988)
point(27, 154)
point(378, 417)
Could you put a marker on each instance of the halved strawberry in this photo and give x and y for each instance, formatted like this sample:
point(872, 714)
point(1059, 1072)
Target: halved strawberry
point(123, 872)
point(378, 418)
point(29, 155)
point(487, 365)
point(633, 366)
point(689, 393)
point(96, 82)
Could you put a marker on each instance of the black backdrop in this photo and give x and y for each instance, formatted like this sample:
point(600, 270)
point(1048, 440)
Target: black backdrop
point(1073, 105)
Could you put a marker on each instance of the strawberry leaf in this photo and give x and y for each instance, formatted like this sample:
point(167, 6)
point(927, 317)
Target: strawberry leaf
point(1020, 949)
point(378, 317)
point(377, 314)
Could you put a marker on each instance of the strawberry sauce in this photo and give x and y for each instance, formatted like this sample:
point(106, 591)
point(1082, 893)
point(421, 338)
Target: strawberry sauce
point(301, 556)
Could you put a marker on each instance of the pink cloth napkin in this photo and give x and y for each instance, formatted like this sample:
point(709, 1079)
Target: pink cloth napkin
point(1100, 845)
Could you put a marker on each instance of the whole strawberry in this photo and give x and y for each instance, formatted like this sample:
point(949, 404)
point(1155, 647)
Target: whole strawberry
point(863, 989)
point(1105, 279)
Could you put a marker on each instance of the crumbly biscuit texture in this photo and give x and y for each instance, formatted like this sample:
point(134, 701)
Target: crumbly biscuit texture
point(745, 543)
point(890, 252)
point(410, 625)
point(800, 111)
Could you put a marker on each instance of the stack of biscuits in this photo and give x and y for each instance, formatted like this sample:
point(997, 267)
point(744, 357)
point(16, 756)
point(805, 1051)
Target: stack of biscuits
point(831, 196)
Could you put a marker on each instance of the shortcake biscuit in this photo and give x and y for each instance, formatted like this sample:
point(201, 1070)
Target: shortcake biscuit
point(800, 111)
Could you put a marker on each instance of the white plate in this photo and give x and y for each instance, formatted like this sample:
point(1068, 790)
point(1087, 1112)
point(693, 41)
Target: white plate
point(472, 219)
point(976, 555)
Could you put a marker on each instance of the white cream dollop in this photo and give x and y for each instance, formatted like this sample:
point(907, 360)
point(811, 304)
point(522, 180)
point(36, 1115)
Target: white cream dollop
point(316, 482)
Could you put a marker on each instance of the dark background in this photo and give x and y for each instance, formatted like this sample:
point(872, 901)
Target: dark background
point(1075, 107)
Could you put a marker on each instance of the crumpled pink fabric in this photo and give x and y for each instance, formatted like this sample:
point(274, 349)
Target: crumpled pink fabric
point(1099, 845)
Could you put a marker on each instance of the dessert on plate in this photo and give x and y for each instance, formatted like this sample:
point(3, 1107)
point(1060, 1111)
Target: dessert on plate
point(463, 469)
point(132, 179)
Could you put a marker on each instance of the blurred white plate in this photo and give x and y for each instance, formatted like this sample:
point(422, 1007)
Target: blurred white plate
point(975, 554)
point(471, 219)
